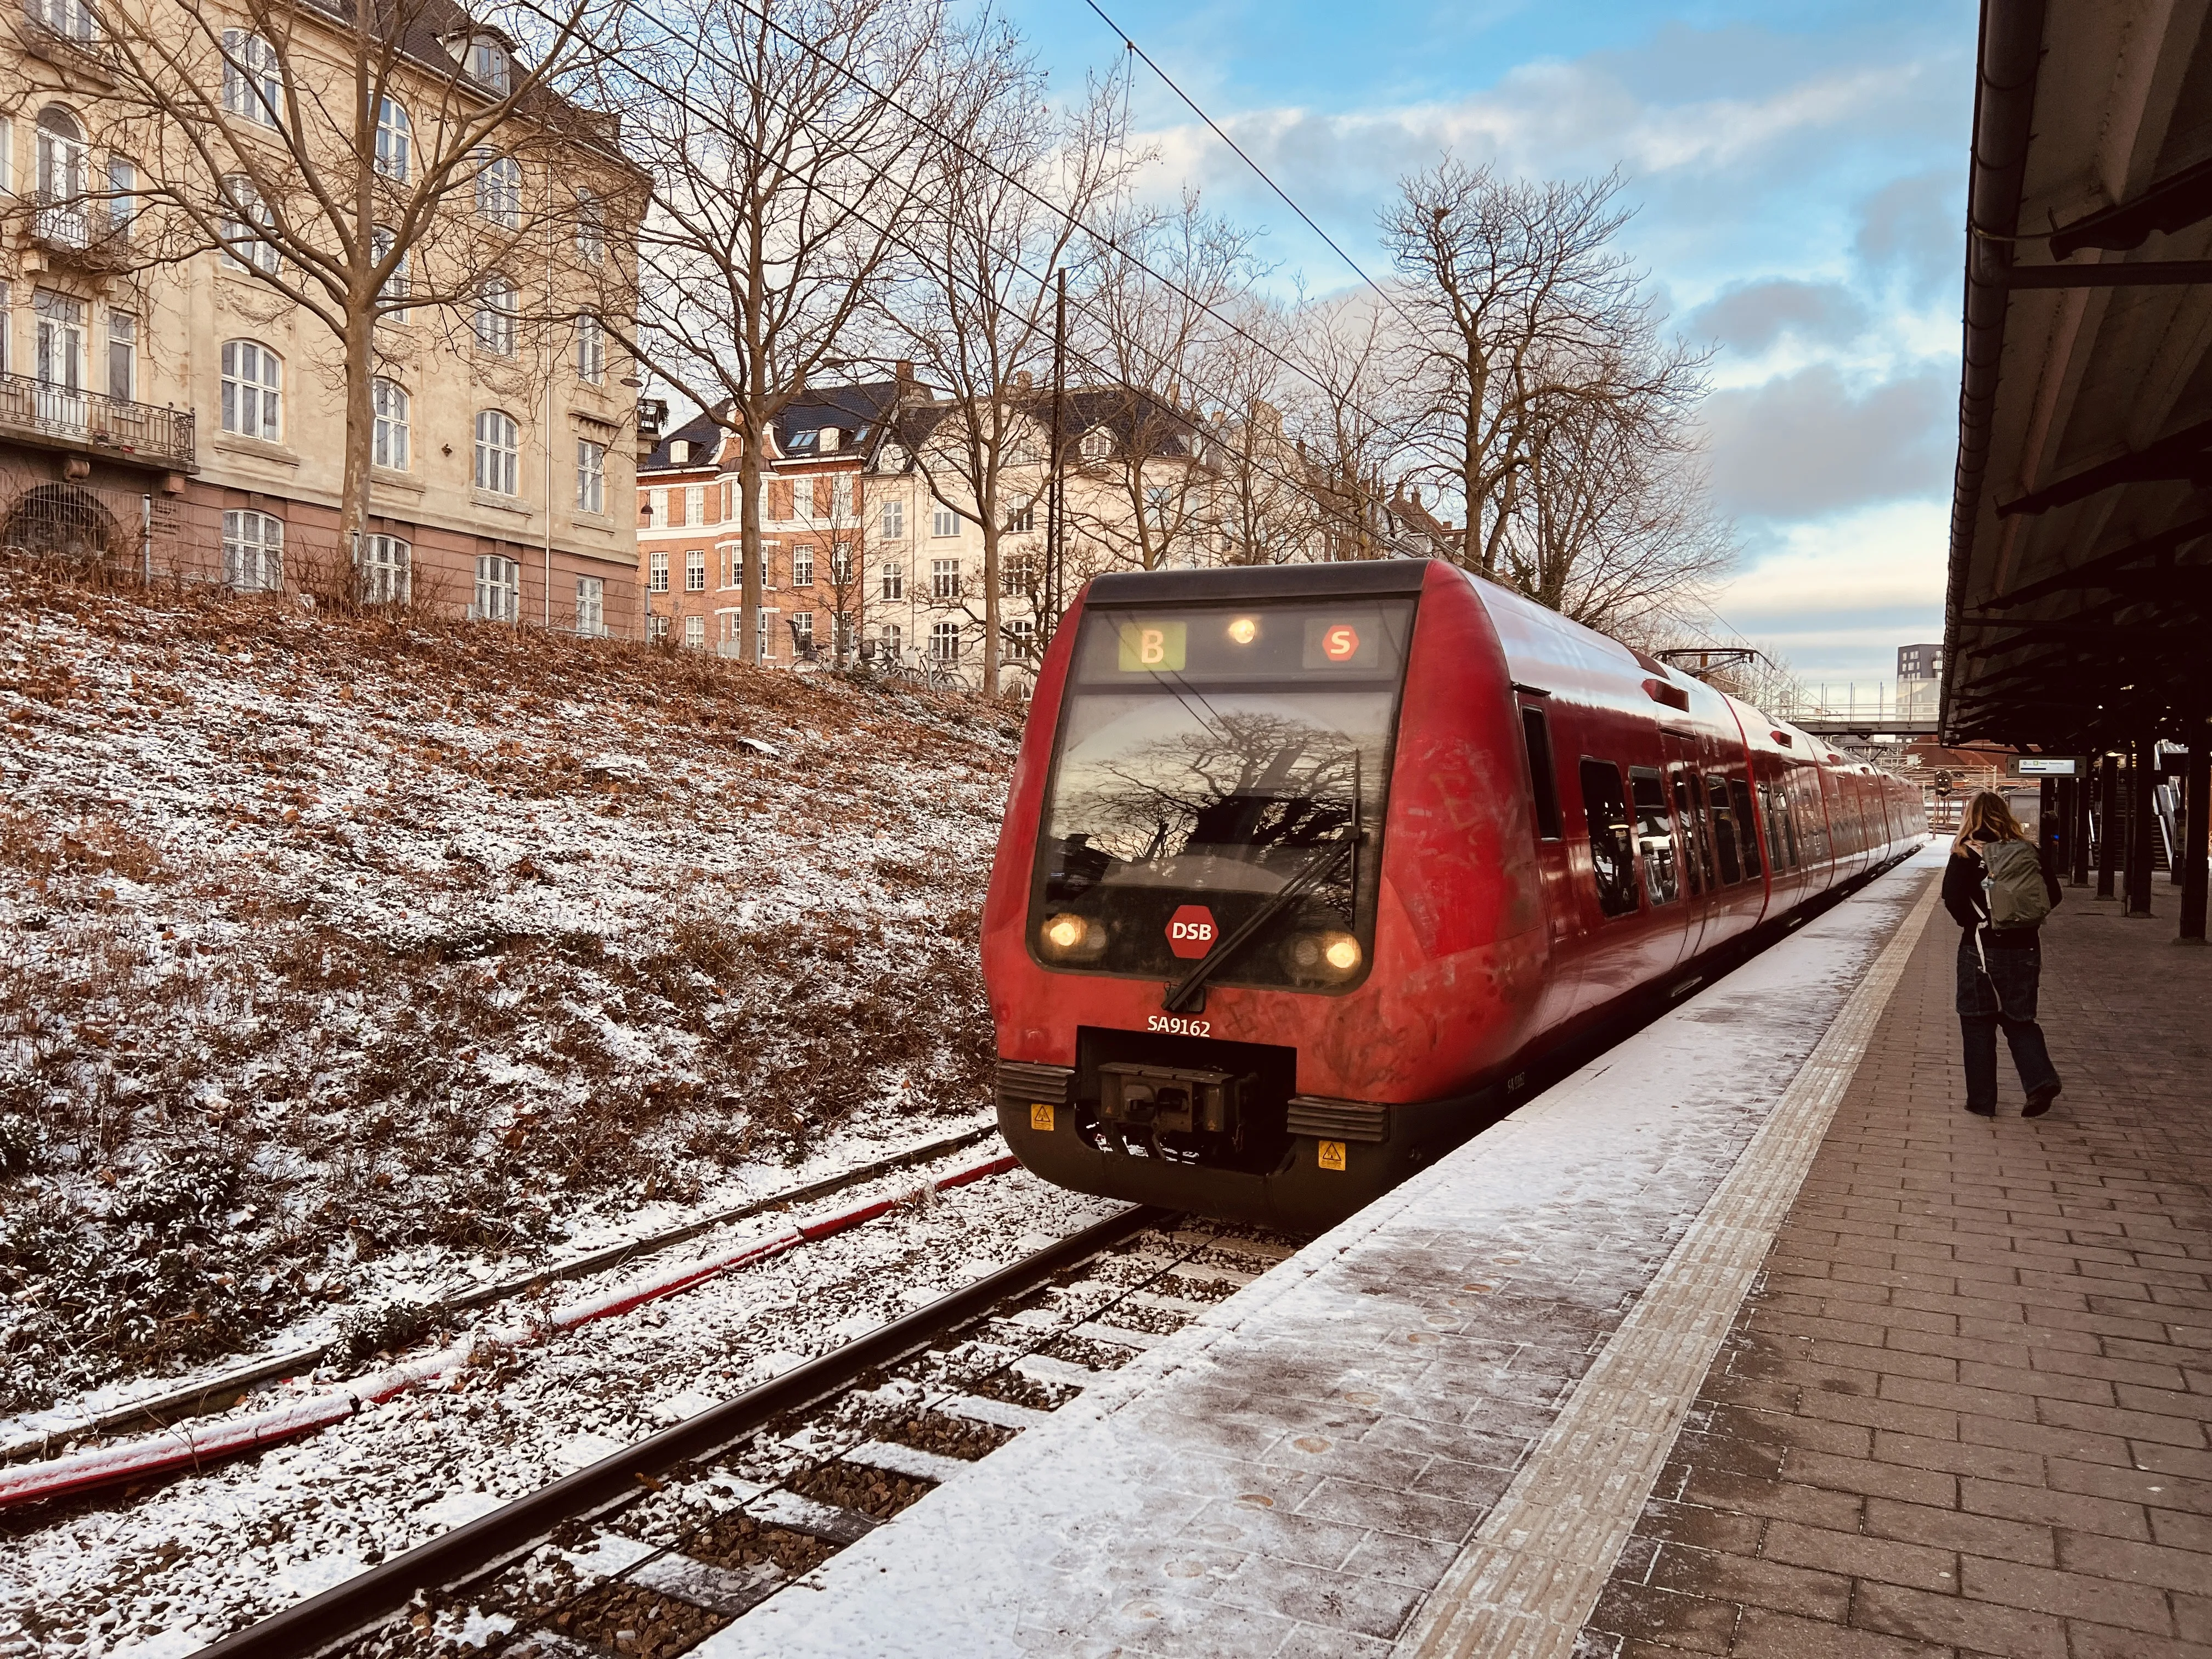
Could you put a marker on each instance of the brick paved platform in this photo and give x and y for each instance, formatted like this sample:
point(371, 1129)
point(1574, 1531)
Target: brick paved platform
point(1965, 1411)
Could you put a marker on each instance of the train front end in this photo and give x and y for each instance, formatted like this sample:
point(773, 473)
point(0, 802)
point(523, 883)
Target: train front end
point(1261, 921)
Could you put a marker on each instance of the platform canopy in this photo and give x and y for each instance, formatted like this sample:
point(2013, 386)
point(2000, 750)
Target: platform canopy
point(2078, 614)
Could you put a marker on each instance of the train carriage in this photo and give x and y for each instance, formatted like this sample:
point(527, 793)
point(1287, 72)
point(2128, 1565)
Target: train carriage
point(1304, 867)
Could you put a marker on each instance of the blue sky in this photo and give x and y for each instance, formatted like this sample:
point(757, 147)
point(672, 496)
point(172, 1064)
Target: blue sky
point(1799, 170)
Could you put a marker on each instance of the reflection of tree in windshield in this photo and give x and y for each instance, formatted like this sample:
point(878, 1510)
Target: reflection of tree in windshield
point(1237, 784)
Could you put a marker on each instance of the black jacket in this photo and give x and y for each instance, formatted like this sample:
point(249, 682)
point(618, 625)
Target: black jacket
point(1962, 897)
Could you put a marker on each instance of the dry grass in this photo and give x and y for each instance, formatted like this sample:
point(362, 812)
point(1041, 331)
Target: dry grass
point(381, 934)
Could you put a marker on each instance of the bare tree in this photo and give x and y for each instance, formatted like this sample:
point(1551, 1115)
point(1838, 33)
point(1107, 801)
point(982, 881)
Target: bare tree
point(1551, 405)
point(1162, 284)
point(1344, 417)
point(1009, 182)
point(359, 164)
point(1261, 506)
point(1511, 287)
point(787, 177)
point(1612, 524)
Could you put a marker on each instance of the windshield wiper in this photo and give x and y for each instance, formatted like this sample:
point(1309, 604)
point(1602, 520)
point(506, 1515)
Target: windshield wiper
point(1186, 993)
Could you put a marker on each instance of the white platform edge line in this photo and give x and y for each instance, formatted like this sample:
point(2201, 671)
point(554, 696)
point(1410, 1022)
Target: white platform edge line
point(1527, 1581)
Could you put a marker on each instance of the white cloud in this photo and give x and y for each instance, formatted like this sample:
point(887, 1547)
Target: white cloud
point(1838, 595)
point(1809, 443)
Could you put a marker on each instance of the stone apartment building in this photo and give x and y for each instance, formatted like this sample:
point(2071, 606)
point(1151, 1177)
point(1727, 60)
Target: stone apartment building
point(858, 545)
point(184, 416)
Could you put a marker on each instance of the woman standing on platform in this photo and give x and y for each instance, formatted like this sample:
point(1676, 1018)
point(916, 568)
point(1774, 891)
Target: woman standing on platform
point(1998, 887)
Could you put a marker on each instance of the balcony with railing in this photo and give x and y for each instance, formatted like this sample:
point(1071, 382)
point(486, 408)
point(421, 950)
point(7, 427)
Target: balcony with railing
point(90, 235)
point(69, 418)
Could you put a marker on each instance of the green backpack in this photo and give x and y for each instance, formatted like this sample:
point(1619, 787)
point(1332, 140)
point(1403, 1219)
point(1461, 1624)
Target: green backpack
point(2013, 891)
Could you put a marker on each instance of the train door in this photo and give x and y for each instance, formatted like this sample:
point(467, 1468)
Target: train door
point(1557, 892)
point(1687, 793)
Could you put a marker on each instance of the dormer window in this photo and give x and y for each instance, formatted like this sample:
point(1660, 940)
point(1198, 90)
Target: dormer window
point(825, 442)
point(680, 451)
point(1097, 444)
point(802, 443)
point(486, 58)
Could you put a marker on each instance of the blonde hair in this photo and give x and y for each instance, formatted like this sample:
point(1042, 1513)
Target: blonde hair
point(1986, 813)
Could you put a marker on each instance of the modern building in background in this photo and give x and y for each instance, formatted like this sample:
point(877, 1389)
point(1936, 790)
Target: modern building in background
point(1919, 681)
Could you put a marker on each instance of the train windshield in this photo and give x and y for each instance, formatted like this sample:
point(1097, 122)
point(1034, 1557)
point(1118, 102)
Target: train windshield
point(1216, 767)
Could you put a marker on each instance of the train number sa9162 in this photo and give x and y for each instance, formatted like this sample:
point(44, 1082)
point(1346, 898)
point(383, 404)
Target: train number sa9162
point(1176, 1026)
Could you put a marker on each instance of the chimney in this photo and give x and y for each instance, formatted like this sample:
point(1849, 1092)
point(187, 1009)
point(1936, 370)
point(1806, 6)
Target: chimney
point(1023, 379)
point(903, 371)
point(1417, 495)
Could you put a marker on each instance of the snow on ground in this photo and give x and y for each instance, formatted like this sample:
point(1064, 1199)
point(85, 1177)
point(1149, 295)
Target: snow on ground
point(346, 962)
point(208, 1553)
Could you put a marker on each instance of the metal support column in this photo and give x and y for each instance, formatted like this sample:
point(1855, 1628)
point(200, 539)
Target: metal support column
point(2050, 828)
point(2108, 838)
point(2140, 779)
point(2080, 872)
point(2196, 814)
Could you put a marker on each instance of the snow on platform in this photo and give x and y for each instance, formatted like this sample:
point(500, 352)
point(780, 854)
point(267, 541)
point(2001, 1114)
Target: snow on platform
point(1296, 1471)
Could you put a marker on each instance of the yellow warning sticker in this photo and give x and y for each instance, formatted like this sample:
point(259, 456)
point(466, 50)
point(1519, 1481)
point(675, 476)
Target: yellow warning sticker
point(1040, 1115)
point(1331, 1155)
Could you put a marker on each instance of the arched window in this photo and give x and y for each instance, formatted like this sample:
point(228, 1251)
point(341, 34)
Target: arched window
point(243, 226)
point(499, 452)
point(252, 78)
point(387, 570)
point(395, 141)
point(944, 641)
point(390, 446)
point(496, 309)
point(61, 158)
point(253, 391)
point(499, 190)
point(395, 284)
point(253, 551)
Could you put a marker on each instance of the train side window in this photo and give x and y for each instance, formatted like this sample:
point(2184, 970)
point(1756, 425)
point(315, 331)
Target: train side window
point(1543, 779)
point(1781, 837)
point(1716, 799)
point(1613, 846)
point(1694, 851)
point(1739, 793)
point(1655, 835)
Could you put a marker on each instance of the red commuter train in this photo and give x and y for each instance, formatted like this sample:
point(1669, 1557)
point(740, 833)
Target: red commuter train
point(1306, 866)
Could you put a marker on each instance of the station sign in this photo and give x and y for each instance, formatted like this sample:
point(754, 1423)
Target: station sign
point(2049, 766)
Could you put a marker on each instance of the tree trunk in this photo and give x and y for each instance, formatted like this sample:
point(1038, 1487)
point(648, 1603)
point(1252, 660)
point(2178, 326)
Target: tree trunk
point(990, 518)
point(749, 547)
point(359, 433)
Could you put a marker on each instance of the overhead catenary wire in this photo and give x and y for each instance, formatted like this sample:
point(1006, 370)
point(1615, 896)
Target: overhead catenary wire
point(1111, 376)
point(1215, 127)
point(952, 140)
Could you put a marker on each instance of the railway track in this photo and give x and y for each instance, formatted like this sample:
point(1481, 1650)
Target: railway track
point(652, 1550)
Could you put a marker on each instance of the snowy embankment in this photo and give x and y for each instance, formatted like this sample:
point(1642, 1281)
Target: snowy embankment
point(346, 964)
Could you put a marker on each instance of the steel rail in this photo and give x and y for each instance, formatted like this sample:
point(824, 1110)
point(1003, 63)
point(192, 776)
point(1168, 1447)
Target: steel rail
point(362, 1603)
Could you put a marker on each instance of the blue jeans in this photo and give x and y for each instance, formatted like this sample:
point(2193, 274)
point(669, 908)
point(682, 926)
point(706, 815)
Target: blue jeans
point(2003, 995)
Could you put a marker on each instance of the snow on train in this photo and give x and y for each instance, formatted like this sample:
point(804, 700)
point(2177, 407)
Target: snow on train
point(1303, 867)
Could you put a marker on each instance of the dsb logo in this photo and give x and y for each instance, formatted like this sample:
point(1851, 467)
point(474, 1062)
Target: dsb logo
point(1191, 931)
